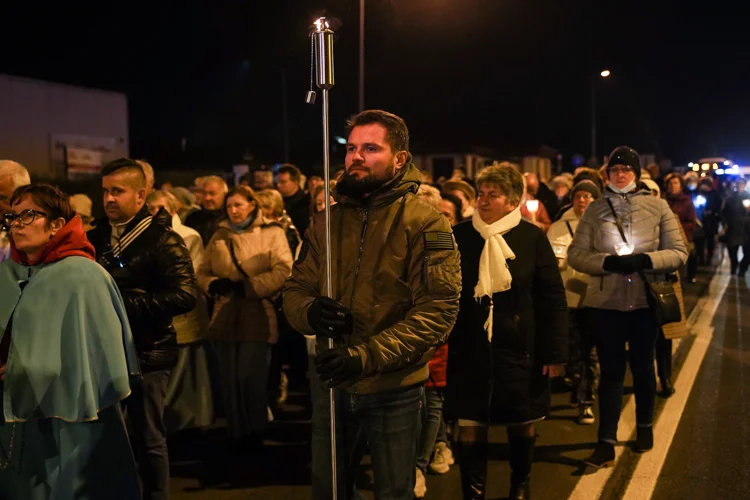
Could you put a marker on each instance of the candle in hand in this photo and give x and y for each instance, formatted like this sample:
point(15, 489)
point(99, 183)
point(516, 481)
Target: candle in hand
point(532, 206)
point(623, 248)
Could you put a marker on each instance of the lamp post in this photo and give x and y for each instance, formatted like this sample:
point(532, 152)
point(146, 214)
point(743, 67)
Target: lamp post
point(361, 55)
point(604, 74)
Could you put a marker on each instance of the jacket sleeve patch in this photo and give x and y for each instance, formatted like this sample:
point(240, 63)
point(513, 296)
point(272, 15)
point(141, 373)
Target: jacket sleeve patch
point(438, 240)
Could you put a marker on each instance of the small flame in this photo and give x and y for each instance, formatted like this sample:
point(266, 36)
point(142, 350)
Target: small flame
point(623, 248)
point(532, 206)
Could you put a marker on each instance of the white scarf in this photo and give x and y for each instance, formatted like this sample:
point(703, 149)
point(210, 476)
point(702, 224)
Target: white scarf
point(494, 275)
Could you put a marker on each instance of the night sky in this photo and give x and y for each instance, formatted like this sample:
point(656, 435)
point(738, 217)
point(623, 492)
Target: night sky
point(509, 75)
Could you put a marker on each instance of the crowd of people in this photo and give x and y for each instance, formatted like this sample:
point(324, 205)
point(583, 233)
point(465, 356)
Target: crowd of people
point(453, 304)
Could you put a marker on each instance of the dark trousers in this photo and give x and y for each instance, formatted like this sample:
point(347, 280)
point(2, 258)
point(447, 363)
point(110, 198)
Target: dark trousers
point(663, 356)
point(734, 258)
point(615, 329)
point(148, 436)
point(584, 367)
point(389, 422)
point(704, 249)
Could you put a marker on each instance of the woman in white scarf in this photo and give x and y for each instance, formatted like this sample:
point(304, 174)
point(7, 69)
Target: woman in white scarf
point(511, 333)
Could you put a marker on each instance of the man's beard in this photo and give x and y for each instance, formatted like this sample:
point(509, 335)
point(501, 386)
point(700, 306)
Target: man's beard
point(349, 185)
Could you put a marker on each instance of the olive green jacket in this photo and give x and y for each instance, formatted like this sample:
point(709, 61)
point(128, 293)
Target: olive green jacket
point(396, 266)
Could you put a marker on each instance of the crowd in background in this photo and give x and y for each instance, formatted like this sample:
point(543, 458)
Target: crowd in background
point(237, 354)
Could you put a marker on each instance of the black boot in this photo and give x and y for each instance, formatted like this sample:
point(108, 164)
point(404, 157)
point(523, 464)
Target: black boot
point(521, 458)
point(603, 455)
point(472, 461)
point(644, 440)
point(667, 389)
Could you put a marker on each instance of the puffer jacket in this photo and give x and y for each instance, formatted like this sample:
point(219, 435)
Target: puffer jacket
point(396, 266)
point(156, 278)
point(650, 227)
point(560, 235)
point(263, 253)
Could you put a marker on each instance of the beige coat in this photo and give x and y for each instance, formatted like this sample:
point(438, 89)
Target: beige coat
point(193, 326)
point(263, 253)
point(559, 236)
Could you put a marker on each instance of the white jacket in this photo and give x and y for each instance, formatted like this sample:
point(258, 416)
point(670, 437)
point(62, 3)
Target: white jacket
point(560, 235)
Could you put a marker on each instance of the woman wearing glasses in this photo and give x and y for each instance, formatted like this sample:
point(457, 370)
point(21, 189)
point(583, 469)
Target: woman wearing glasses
point(66, 357)
point(616, 295)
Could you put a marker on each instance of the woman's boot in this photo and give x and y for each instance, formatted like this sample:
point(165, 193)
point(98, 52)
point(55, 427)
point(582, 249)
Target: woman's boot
point(472, 461)
point(521, 458)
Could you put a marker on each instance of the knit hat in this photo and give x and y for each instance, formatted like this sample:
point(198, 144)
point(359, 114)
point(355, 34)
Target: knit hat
point(691, 175)
point(184, 195)
point(589, 175)
point(588, 186)
point(625, 155)
point(561, 181)
point(82, 204)
point(462, 186)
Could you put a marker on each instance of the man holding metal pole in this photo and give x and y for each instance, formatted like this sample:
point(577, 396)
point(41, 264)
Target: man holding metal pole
point(396, 281)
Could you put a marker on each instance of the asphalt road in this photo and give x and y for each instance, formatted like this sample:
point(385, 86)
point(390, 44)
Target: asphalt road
point(708, 458)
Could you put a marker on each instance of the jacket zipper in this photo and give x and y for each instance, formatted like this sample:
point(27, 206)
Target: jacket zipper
point(359, 259)
point(356, 273)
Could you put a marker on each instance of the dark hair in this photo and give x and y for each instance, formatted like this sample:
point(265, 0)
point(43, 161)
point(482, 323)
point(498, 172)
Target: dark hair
point(128, 165)
point(247, 193)
point(294, 174)
point(50, 199)
point(456, 201)
point(672, 176)
point(398, 134)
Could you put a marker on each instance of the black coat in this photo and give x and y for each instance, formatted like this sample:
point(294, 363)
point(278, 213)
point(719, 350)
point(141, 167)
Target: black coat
point(297, 208)
point(206, 222)
point(157, 282)
point(736, 217)
point(503, 382)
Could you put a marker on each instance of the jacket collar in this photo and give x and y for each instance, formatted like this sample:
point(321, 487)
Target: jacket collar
point(104, 224)
point(407, 180)
point(570, 215)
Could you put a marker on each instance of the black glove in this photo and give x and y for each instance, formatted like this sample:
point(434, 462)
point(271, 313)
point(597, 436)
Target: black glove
point(327, 317)
point(338, 365)
point(627, 264)
point(238, 287)
point(221, 287)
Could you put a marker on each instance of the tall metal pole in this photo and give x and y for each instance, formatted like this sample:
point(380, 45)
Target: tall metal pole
point(284, 116)
point(361, 55)
point(323, 37)
point(593, 118)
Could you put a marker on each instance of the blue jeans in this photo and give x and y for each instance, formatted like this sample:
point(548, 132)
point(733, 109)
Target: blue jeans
point(389, 422)
point(433, 430)
point(613, 330)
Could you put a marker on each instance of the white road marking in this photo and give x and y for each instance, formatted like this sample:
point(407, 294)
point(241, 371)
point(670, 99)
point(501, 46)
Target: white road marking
point(646, 474)
point(591, 486)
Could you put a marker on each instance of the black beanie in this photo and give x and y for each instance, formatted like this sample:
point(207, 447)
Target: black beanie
point(625, 155)
point(588, 186)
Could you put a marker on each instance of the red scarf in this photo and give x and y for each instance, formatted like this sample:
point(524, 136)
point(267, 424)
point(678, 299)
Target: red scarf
point(69, 241)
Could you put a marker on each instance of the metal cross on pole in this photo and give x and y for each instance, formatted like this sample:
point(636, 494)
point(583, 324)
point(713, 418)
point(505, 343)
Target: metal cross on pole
point(322, 54)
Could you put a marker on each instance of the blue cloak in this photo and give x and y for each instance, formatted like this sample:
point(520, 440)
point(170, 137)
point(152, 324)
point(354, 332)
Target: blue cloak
point(71, 351)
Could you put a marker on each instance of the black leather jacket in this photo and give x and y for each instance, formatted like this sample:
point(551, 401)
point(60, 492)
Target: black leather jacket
point(157, 282)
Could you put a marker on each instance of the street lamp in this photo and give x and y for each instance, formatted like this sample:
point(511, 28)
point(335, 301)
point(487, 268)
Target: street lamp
point(604, 74)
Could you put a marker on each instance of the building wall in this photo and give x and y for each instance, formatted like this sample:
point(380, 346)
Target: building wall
point(39, 119)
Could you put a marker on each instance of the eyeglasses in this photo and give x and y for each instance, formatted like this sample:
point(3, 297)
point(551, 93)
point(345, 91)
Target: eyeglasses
point(24, 218)
point(622, 169)
point(583, 196)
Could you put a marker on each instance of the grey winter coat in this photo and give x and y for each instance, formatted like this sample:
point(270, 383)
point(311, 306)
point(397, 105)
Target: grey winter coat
point(649, 225)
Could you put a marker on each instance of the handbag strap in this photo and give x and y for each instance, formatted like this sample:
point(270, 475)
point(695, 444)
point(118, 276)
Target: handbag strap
point(570, 229)
point(617, 221)
point(235, 261)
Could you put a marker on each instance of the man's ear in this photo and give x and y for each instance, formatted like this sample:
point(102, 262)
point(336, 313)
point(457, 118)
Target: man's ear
point(402, 158)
